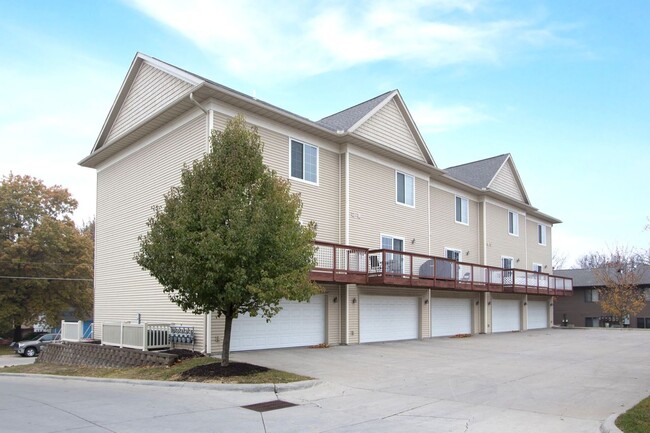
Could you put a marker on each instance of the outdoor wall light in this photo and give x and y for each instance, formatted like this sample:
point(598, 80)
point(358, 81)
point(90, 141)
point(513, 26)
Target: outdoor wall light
point(489, 302)
point(477, 302)
point(426, 301)
point(467, 253)
point(517, 260)
point(413, 241)
point(335, 299)
point(551, 304)
point(525, 303)
point(354, 300)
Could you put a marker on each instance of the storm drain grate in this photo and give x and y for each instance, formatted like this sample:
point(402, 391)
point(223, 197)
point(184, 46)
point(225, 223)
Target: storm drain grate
point(269, 405)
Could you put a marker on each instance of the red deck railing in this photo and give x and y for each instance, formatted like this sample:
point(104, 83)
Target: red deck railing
point(347, 264)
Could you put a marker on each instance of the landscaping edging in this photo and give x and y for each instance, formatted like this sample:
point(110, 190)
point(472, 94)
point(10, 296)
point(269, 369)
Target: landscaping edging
point(94, 355)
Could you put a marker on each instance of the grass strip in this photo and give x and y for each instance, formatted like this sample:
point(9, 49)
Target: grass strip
point(637, 419)
point(172, 373)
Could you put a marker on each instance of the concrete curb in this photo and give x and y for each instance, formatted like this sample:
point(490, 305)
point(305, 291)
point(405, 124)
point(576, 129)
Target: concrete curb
point(608, 425)
point(265, 387)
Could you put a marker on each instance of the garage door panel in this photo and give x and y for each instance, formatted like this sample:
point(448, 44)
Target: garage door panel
point(537, 314)
point(297, 324)
point(388, 318)
point(506, 315)
point(451, 316)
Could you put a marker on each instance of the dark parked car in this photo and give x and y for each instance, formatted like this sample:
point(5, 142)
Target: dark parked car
point(32, 347)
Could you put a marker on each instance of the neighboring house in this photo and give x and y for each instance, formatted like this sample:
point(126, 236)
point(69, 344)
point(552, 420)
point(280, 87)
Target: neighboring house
point(583, 308)
point(429, 245)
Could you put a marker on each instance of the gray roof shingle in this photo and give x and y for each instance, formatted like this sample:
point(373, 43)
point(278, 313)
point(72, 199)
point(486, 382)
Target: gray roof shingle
point(586, 277)
point(346, 119)
point(478, 173)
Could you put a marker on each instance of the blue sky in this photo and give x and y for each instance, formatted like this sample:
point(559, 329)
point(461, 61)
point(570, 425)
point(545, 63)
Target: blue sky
point(562, 86)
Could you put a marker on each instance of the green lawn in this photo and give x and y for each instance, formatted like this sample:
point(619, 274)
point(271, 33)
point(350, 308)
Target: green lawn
point(6, 350)
point(155, 373)
point(637, 419)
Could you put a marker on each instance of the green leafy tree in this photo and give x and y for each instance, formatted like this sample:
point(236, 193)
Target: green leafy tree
point(46, 262)
point(229, 240)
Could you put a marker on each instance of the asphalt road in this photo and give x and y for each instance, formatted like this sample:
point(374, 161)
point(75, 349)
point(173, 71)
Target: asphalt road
point(538, 381)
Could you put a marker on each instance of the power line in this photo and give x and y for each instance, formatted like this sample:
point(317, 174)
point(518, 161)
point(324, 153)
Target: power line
point(7, 277)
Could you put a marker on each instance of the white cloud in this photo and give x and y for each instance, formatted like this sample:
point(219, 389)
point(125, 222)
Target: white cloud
point(271, 40)
point(430, 118)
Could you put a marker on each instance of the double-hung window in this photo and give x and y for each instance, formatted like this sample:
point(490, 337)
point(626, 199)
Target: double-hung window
point(513, 223)
point(405, 185)
point(395, 261)
point(541, 234)
point(304, 161)
point(462, 210)
point(537, 267)
point(453, 254)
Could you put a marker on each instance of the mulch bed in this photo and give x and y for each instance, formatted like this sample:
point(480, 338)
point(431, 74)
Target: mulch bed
point(183, 354)
point(216, 370)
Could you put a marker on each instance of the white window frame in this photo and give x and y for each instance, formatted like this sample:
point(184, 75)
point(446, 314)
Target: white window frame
point(512, 262)
point(456, 250)
point(538, 267)
point(541, 234)
point(304, 145)
point(515, 223)
point(405, 203)
point(463, 201)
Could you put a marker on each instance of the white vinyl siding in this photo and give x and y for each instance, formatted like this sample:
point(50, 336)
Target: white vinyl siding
point(405, 186)
point(372, 209)
point(320, 202)
point(151, 90)
point(462, 210)
point(389, 128)
point(126, 192)
point(297, 324)
point(513, 223)
point(304, 161)
point(387, 318)
point(506, 183)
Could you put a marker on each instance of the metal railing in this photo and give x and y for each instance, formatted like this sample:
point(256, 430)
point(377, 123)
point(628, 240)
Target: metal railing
point(143, 336)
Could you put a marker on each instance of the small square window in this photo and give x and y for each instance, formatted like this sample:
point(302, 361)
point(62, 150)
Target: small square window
point(304, 161)
point(462, 210)
point(405, 189)
point(513, 223)
point(541, 234)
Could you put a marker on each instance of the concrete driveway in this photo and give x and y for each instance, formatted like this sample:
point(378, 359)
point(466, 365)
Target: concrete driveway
point(562, 380)
point(537, 381)
point(9, 360)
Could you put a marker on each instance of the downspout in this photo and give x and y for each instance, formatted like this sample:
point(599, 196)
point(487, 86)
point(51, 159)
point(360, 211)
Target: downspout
point(197, 104)
point(207, 319)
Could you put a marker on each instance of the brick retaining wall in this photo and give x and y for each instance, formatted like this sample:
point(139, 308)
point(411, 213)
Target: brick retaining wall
point(94, 355)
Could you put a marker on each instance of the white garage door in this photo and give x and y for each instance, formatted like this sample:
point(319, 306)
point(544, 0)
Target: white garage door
point(451, 316)
point(297, 324)
point(505, 315)
point(386, 318)
point(537, 314)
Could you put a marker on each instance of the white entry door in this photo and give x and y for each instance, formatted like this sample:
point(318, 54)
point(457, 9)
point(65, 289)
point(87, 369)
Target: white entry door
point(387, 318)
point(297, 324)
point(537, 314)
point(506, 315)
point(451, 316)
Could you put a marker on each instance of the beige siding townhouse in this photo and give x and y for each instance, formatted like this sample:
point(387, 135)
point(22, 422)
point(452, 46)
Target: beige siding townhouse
point(405, 249)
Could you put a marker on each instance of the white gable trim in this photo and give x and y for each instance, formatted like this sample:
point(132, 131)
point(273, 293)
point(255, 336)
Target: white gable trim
point(372, 112)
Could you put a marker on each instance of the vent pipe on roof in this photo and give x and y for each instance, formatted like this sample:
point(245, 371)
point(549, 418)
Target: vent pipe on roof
point(197, 104)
